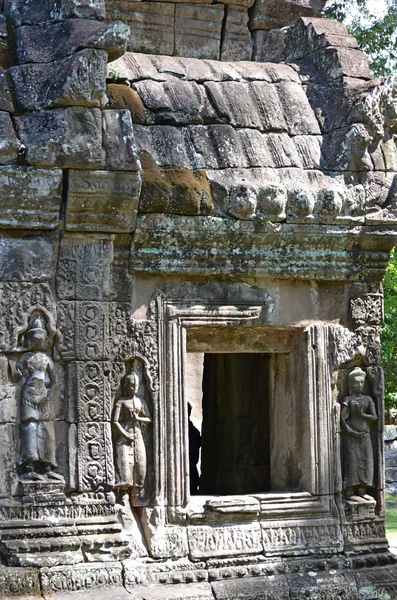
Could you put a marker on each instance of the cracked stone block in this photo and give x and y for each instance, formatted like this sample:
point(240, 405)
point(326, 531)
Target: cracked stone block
point(298, 113)
point(76, 81)
point(267, 14)
point(31, 12)
point(102, 200)
point(254, 105)
point(62, 137)
point(151, 25)
point(5, 96)
point(46, 43)
point(237, 41)
point(175, 101)
point(9, 144)
point(30, 197)
point(198, 30)
point(342, 62)
point(118, 141)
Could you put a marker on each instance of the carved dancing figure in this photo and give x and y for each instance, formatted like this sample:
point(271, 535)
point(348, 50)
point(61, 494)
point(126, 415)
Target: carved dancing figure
point(37, 455)
point(130, 418)
point(357, 414)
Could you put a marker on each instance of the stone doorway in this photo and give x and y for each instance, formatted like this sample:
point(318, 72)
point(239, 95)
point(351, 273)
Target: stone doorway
point(235, 425)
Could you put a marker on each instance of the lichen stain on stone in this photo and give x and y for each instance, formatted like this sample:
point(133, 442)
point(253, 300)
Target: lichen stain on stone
point(173, 190)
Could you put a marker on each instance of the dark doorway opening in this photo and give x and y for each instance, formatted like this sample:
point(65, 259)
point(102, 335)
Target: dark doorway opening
point(235, 436)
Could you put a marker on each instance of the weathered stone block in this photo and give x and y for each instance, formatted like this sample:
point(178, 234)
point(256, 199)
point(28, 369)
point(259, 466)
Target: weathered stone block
point(174, 190)
point(70, 137)
point(24, 260)
point(175, 101)
point(230, 540)
point(236, 41)
point(376, 583)
point(30, 198)
point(95, 455)
point(83, 327)
point(122, 96)
point(8, 477)
point(83, 274)
point(342, 62)
point(102, 200)
point(9, 145)
point(297, 111)
point(118, 141)
point(18, 582)
point(198, 30)
point(165, 144)
point(85, 577)
point(151, 25)
point(322, 585)
point(303, 37)
point(76, 81)
point(5, 96)
point(193, 591)
point(253, 105)
point(309, 150)
point(291, 537)
point(267, 14)
point(29, 12)
point(46, 43)
point(250, 588)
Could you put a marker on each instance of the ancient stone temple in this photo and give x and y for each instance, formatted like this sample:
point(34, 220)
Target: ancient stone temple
point(198, 202)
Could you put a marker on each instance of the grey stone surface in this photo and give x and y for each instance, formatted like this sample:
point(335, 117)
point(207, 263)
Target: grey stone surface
point(70, 137)
point(9, 144)
point(42, 44)
point(236, 41)
point(118, 141)
point(198, 30)
point(269, 15)
point(151, 26)
point(6, 103)
point(28, 12)
point(30, 198)
point(253, 587)
point(75, 81)
point(102, 200)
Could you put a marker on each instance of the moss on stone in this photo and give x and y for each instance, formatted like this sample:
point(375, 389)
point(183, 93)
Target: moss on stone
point(122, 96)
point(173, 190)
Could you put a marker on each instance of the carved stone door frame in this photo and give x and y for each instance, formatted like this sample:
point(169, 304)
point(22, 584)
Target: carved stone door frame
point(176, 316)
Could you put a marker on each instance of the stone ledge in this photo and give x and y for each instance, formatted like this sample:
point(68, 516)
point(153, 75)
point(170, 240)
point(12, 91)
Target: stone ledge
point(331, 581)
point(212, 245)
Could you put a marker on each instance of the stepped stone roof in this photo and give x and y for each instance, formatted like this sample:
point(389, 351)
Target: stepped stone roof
point(242, 145)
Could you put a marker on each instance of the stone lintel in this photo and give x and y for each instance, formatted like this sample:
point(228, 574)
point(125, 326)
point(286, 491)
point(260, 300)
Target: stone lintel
point(216, 246)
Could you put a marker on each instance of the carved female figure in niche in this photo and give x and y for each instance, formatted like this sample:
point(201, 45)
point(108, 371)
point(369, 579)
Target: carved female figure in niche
point(130, 418)
point(37, 455)
point(357, 414)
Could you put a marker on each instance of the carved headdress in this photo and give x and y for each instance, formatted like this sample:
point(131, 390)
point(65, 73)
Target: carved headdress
point(357, 373)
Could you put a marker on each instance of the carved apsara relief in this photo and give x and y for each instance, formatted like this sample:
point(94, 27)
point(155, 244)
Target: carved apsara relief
point(358, 414)
point(132, 434)
point(37, 380)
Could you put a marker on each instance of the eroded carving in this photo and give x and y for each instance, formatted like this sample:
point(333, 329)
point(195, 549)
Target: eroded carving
point(357, 414)
point(37, 453)
point(131, 419)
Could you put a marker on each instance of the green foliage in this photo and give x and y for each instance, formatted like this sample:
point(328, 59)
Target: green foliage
point(375, 34)
point(389, 335)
